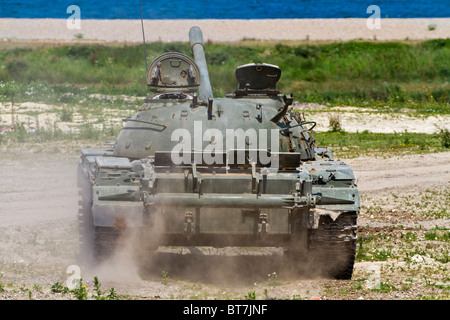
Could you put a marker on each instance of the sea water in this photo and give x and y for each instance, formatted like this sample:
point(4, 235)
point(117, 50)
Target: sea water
point(224, 9)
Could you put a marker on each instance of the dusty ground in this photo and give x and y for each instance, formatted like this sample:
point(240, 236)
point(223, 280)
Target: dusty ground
point(39, 239)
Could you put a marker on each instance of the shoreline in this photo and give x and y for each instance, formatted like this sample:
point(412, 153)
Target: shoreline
point(214, 30)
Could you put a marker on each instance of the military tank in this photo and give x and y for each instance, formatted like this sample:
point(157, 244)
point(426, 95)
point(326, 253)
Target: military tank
point(191, 169)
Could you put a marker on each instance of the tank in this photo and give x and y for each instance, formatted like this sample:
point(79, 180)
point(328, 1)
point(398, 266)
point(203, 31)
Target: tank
point(244, 170)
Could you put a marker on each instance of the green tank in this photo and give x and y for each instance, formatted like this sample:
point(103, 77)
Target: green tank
point(191, 169)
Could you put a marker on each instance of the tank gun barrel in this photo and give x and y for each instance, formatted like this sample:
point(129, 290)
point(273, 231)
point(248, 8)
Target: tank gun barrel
point(198, 50)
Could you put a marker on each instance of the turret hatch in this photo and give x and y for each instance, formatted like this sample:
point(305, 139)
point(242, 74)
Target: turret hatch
point(173, 71)
point(254, 76)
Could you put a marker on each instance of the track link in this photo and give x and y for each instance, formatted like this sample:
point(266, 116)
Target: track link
point(332, 246)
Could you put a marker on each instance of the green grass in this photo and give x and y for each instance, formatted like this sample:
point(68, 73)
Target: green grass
point(351, 144)
point(391, 75)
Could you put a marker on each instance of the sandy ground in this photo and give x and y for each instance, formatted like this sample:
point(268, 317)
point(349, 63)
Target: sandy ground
point(226, 30)
point(359, 119)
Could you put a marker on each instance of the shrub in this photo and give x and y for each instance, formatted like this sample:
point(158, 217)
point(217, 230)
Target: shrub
point(445, 137)
point(335, 123)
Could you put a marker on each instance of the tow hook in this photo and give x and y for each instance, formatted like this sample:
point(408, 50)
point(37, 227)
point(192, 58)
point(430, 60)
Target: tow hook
point(188, 224)
point(263, 226)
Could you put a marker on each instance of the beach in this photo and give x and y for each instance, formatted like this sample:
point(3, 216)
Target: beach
point(227, 30)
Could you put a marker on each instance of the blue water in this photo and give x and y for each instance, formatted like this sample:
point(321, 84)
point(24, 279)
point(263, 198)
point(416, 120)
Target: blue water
point(223, 9)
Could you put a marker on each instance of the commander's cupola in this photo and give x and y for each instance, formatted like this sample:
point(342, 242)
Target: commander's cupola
point(171, 74)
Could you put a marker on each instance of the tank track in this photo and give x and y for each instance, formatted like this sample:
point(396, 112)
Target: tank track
point(332, 246)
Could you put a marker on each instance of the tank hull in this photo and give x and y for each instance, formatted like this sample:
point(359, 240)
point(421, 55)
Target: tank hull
point(203, 206)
